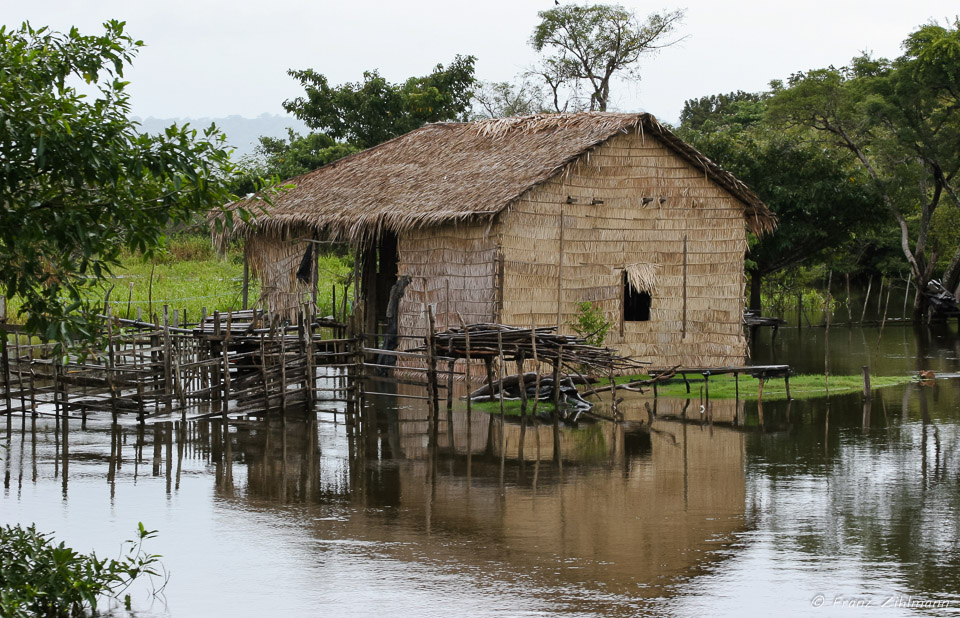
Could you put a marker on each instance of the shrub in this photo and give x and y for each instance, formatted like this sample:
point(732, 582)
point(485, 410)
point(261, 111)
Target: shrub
point(590, 324)
point(38, 578)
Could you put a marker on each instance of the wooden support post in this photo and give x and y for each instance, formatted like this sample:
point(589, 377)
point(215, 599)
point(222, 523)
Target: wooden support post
point(167, 366)
point(309, 352)
point(263, 376)
point(556, 377)
point(283, 372)
point(760, 390)
point(866, 382)
point(556, 406)
point(16, 353)
point(523, 404)
point(786, 383)
point(800, 309)
point(434, 392)
point(4, 357)
point(706, 394)
point(826, 338)
point(226, 372)
point(683, 334)
point(450, 366)
point(246, 278)
point(111, 365)
point(215, 381)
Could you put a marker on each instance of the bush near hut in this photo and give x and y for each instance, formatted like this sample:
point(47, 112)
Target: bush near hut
point(590, 324)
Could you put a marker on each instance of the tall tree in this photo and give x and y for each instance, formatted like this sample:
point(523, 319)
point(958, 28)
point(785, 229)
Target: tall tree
point(372, 111)
point(901, 121)
point(818, 196)
point(503, 99)
point(79, 183)
point(585, 47)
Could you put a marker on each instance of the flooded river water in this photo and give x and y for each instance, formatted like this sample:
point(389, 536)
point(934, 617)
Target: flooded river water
point(816, 507)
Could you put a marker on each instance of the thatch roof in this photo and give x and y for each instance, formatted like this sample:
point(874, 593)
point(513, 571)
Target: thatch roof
point(450, 172)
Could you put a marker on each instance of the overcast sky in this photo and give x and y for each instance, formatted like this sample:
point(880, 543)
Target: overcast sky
point(207, 58)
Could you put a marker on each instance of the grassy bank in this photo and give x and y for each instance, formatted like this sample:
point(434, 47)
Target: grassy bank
point(191, 276)
point(801, 386)
point(725, 387)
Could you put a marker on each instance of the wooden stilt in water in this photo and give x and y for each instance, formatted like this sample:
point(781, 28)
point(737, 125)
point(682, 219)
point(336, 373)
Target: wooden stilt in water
point(826, 338)
point(866, 381)
point(111, 365)
point(433, 394)
point(167, 362)
point(226, 371)
point(523, 405)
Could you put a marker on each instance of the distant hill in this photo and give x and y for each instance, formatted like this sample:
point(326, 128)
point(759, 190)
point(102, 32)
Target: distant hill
point(242, 133)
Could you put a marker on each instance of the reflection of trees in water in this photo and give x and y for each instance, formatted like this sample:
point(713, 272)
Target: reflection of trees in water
point(878, 490)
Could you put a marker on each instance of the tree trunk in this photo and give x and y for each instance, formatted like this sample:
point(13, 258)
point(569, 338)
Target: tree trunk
point(755, 282)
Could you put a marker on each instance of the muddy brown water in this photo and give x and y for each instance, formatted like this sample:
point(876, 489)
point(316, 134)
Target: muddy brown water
point(807, 508)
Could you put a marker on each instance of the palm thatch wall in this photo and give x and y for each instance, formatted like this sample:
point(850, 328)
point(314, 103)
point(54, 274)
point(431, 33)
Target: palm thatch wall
point(635, 210)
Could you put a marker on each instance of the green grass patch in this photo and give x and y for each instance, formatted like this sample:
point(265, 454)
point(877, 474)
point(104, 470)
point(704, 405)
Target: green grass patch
point(191, 275)
point(801, 386)
point(724, 387)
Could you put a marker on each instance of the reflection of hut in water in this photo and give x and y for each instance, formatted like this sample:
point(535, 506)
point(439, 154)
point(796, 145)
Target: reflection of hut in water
point(632, 523)
point(519, 220)
point(628, 522)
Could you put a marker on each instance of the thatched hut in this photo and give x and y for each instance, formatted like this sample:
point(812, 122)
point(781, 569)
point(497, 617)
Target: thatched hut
point(519, 220)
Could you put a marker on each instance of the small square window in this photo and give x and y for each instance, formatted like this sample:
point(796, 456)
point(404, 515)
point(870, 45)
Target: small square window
point(636, 304)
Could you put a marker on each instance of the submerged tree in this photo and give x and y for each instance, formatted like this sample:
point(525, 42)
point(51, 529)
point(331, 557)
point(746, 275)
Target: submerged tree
point(372, 111)
point(80, 183)
point(586, 46)
point(901, 122)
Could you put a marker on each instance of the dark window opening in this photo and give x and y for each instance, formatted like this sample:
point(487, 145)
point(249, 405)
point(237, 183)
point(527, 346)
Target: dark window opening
point(636, 304)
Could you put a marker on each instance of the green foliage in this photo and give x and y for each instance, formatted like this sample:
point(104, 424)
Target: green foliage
point(781, 289)
point(820, 197)
point(586, 46)
point(590, 324)
point(286, 158)
point(373, 111)
point(80, 184)
point(736, 108)
point(39, 578)
point(901, 121)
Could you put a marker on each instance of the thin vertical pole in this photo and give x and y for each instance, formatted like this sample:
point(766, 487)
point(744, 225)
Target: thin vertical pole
point(226, 371)
point(4, 356)
point(866, 299)
point(684, 327)
point(826, 340)
point(167, 367)
point(434, 393)
point(906, 294)
point(246, 278)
